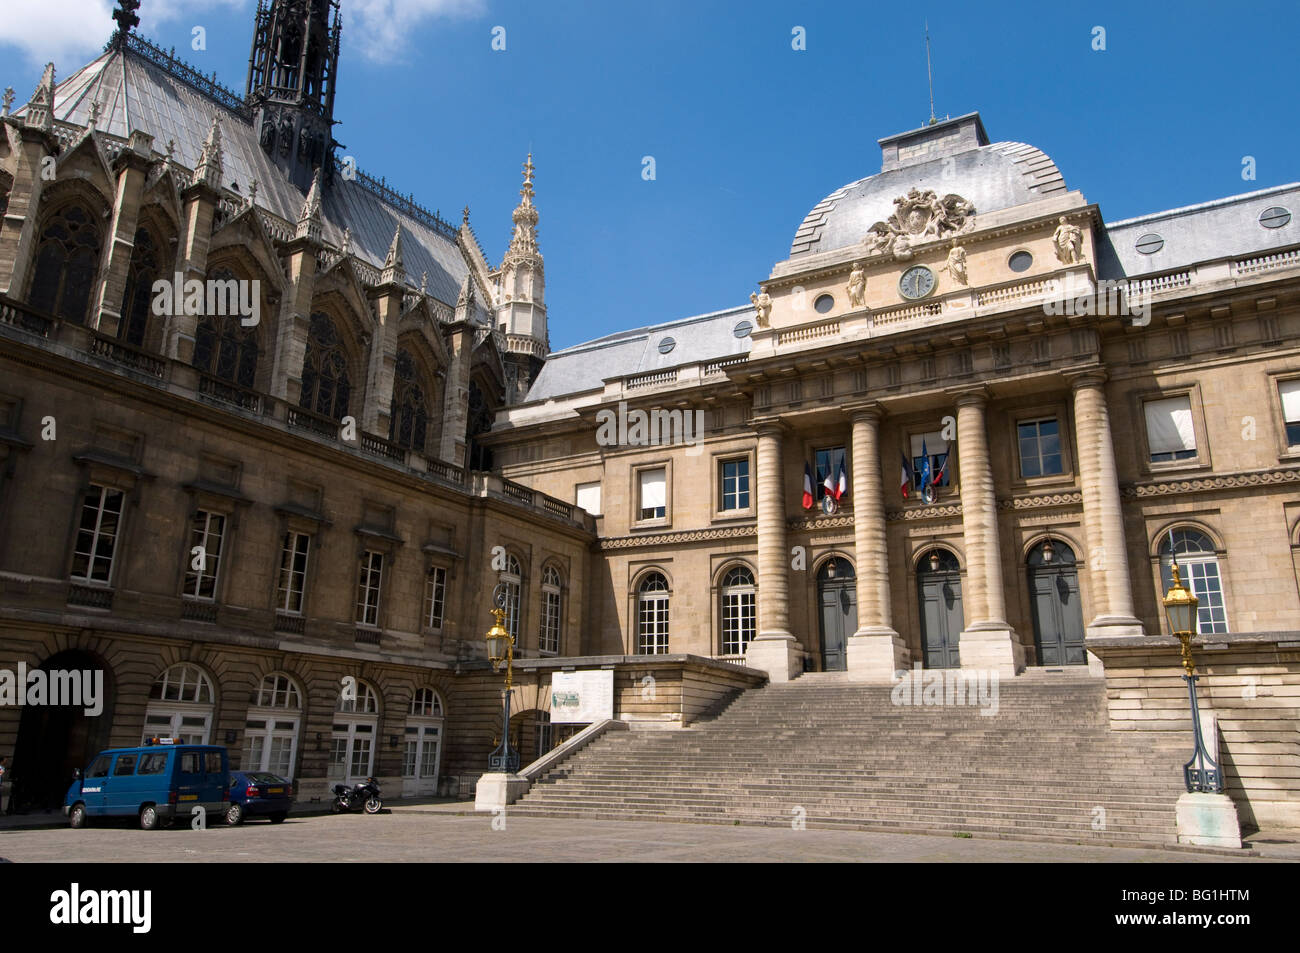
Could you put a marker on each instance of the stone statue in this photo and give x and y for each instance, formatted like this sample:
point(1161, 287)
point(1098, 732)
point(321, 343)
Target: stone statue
point(956, 266)
point(762, 303)
point(268, 135)
point(857, 286)
point(286, 135)
point(1068, 240)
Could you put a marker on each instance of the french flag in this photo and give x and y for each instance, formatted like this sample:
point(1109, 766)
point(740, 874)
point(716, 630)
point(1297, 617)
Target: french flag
point(841, 483)
point(828, 484)
point(807, 487)
point(906, 479)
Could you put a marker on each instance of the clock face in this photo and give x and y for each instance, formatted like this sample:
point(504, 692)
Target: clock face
point(917, 282)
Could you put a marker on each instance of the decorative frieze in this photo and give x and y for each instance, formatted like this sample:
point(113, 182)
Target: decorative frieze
point(1225, 481)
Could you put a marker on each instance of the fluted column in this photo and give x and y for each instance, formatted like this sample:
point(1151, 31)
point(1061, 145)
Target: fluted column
point(1103, 519)
point(775, 649)
point(988, 641)
point(875, 650)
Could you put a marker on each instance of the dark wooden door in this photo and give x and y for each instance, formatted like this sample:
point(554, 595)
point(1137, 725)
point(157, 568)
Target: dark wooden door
point(838, 601)
point(1054, 599)
point(942, 618)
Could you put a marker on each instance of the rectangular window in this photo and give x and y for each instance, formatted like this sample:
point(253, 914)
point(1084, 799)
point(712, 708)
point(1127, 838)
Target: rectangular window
point(735, 484)
point(1040, 447)
point(737, 620)
point(293, 572)
point(1290, 391)
point(938, 450)
point(653, 624)
point(372, 573)
point(206, 532)
point(829, 462)
point(412, 751)
point(654, 493)
point(550, 634)
point(436, 596)
point(101, 516)
point(125, 765)
point(429, 754)
point(1170, 433)
point(587, 497)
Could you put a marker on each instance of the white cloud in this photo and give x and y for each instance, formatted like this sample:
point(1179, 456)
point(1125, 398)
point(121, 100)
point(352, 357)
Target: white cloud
point(381, 29)
point(72, 32)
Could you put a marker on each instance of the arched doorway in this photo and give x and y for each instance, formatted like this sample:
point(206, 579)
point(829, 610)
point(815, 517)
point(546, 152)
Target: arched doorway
point(55, 741)
point(1054, 600)
point(938, 584)
point(837, 601)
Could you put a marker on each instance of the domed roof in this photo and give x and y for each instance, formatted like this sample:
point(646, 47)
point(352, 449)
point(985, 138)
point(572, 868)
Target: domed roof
point(951, 157)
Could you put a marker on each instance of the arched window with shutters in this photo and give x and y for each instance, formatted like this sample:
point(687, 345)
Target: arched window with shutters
point(67, 258)
point(737, 604)
point(326, 386)
point(223, 347)
point(1198, 566)
point(137, 297)
point(549, 638)
point(409, 413)
point(652, 615)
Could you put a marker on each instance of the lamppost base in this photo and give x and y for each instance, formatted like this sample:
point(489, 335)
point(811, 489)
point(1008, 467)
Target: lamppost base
point(1208, 820)
point(494, 791)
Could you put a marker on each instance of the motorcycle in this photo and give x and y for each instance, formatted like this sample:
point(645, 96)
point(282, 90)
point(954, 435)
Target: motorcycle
point(364, 796)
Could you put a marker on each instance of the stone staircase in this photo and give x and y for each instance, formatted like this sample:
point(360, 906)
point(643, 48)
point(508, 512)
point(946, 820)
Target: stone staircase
point(842, 755)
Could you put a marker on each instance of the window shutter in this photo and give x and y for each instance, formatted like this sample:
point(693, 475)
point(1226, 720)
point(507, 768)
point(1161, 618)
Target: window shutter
point(653, 490)
point(1169, 425)
point(1290, 400)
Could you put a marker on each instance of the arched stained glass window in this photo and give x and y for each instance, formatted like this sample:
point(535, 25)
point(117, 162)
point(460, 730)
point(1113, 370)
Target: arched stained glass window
point(67, 258)
point(223, 347)
point(326, 387)
point(409, 414)
point(137, 297)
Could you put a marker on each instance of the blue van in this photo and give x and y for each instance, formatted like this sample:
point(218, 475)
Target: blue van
point(155, 783)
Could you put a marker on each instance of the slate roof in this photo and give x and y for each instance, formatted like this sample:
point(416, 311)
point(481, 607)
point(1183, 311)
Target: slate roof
point(585, 367)
point(997, 176)
point(1224, 228)
point(135, 93)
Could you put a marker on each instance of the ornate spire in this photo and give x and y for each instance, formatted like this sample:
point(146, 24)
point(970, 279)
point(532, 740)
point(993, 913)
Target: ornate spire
point(9, 101)
point(207, 171)
point(309, 220)
point(465, 300)
point(126, 18)
point(524, 240)
point(40, 108)
point(394, 270)
point(94, 115)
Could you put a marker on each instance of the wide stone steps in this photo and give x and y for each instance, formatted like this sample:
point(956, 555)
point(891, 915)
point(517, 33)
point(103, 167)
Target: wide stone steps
point(847, 757)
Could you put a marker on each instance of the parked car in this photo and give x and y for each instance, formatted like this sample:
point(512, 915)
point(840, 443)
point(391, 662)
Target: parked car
point(155, 783)
point(255, 793)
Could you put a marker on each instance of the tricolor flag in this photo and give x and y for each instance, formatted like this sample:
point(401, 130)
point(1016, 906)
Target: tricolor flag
point(807, 487)
point(828, 484)
point(841, 484)
point(943, 464)
point(905, 479)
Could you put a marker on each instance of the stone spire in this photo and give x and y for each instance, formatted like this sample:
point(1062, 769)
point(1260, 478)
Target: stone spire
point(8, 101)
point(524, 240)
point(394, 270)
point(207, 171)
point(40, 108)
point(309, 219)
point(465, 300)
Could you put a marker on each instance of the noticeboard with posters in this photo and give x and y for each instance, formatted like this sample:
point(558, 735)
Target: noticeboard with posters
point(581, 698)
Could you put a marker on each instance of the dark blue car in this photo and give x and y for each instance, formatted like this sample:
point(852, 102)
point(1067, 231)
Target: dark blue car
point(259, 793)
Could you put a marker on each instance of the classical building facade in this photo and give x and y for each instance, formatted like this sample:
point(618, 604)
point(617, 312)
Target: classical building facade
point(963, 424)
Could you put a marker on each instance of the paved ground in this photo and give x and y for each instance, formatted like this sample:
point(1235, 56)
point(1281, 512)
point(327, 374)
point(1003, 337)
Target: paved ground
point(447, 833)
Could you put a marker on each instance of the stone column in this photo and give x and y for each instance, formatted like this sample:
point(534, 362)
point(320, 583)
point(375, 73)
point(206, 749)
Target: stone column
point(132, 167)
point(293, 323)
point(199, 204)
point(18, 227)
point(1103, 519)
point(988, 642)
point(875, 650)
point(775, 649)
point(381, 360)
point(455, 396)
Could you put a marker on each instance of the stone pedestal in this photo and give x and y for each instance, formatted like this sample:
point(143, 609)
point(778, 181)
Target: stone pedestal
point(494, 791)
point(779, 656)
point(1208, 820)
point(992, 647)
point(876, 654)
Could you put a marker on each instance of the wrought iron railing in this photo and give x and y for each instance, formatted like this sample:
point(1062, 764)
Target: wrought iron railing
point(406, 204)
point(208, 86)
point(290, 623)
point(368, 636)
point(198, 611)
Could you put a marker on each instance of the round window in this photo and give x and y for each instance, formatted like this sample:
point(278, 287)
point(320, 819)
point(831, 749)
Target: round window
point(1150, 243)
point(666, 345)
point(1020, 261)
point(743, 329)
point(824, 303)
point(1274, 217)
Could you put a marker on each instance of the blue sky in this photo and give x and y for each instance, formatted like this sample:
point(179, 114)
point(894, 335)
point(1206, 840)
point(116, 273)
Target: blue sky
point(747, 134)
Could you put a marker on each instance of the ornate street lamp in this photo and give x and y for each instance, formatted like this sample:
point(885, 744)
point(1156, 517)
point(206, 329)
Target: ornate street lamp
point(1201, 773)
point(934, 560)
point(500, 646)
point(1048, 551)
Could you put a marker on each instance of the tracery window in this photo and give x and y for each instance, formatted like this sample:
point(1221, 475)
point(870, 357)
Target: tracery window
point(326, 387)
point(223, 347)
point(137, 297)
point(67, 256)
point(409, 414)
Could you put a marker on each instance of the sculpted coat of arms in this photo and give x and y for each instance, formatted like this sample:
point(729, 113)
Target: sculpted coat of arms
point(920, 216)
